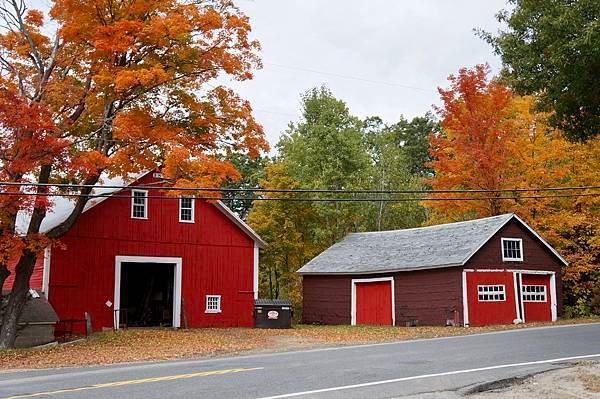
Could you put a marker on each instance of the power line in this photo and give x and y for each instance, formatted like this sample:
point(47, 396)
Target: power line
point(302, 191)
point(311, 199)
point(337, 75)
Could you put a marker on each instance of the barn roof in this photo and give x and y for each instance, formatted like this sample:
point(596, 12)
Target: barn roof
point(444, 245)
point(63, 206)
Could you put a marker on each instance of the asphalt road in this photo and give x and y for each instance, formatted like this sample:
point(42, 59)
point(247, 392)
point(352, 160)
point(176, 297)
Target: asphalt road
point(426, 368)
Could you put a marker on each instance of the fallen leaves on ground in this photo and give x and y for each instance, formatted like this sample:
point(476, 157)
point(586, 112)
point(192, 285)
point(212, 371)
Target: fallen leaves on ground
point(137, 344)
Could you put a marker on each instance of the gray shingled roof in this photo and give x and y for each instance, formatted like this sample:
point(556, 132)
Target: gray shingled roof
point(430, 247)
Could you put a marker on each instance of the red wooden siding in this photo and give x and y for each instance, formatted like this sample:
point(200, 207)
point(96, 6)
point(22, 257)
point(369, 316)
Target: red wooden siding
point(483, 312)
point(538, 311)
point(327, 299)
point(535, 256)
point(217, 259)
point(374, 303)
point(428, 296)
point(36, 278)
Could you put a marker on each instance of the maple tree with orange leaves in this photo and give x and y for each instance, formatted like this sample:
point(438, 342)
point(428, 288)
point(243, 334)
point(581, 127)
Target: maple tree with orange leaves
point(492, 139)
point(120, 88)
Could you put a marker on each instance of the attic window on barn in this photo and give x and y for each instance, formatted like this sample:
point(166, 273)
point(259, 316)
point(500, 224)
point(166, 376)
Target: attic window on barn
point(534, 293)
point(491, 293)
point(186, 210)
point(512, 249)
point(139, 204)
point(213, 304)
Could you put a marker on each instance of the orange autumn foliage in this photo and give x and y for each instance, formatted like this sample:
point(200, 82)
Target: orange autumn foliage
point(124, 87)
point(492, 139)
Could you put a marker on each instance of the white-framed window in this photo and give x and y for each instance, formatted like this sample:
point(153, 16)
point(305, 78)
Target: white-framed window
point(512, 249)
point(491, 293)
point(533, 293)
point(186, 209)
point(139, 204)
point(213, 304)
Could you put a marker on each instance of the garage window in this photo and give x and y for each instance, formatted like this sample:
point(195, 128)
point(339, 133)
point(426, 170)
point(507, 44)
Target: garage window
point(512, 249)
point(491, 293)
point(534, 293)
point(213, 304)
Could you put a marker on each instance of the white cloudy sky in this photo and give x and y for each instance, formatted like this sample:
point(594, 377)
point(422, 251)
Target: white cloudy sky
point(397, 42)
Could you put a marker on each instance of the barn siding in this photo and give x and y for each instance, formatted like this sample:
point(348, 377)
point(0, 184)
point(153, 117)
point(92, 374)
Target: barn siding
point(217, 258)
point(536, 256)
point(326, 299)
point(428, 296)
point(35, 281)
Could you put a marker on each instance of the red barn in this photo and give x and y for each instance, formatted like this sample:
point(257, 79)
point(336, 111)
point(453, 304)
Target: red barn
point(141, 258)
point(494, 270)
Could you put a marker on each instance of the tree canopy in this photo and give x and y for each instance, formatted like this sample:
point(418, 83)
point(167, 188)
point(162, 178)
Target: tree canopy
point(551, 49)
point(120, 88)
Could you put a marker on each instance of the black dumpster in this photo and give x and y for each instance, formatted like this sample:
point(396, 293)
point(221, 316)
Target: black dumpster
point(272, 313)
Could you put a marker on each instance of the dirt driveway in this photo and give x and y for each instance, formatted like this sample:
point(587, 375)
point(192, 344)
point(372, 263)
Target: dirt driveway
point(579, 382)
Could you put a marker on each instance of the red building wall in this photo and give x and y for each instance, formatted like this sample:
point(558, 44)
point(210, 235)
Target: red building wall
point(428, 296)
point(217, 259)
point(35, 281)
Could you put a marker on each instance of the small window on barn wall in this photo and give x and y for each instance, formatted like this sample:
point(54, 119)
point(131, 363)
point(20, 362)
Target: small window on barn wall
point(139, 204)
point(186, 209)
point(512, 249)
point(491, 293)
point(213, 304)
point(534, 293)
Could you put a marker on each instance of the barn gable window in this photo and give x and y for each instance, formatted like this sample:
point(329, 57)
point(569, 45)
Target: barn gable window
point(186, 210)
point(534, 293)
point(213, 304)
point(139, 204)
point(491, 293)
point(512, 249)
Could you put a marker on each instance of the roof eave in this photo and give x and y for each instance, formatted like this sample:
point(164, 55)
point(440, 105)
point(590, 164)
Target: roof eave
point(395, 270)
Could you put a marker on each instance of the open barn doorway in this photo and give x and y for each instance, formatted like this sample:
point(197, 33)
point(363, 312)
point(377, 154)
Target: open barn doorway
point(147, 294)
point(147, 291)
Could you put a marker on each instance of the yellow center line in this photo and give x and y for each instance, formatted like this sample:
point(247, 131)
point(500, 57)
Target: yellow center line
point(133, 382)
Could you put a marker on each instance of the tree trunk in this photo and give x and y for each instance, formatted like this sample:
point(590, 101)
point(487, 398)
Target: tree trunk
point(17, 299)
point(4, 273)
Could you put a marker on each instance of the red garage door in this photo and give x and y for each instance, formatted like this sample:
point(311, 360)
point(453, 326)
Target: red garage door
point(535, 291)
point(491, 298)
point(374, 303)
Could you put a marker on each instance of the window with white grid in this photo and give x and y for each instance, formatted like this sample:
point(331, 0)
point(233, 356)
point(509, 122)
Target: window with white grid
point(512, 249)
point(533, 293)
point(139, 204)
point(213, 304)
point(491, 293)
point(186, 210)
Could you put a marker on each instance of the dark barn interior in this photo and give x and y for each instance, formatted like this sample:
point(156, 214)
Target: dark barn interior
point(147, 294)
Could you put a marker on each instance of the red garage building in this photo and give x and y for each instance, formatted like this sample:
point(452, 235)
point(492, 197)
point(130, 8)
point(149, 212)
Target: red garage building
point(494, 270)
point(141, 258)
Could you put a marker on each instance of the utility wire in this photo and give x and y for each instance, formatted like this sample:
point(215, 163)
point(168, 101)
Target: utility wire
point(337, 75)
point(302, 191)
point(311, 199)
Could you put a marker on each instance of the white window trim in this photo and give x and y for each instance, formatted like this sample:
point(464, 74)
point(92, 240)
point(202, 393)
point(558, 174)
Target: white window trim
point(119, 260)
point(193, 212)
point(145, 203)
point(371, 280)
point(206, 310)
point(492, 292)
point(520, 241)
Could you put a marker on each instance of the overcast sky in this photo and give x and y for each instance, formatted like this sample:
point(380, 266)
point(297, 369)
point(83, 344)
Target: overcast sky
point(399, 43)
